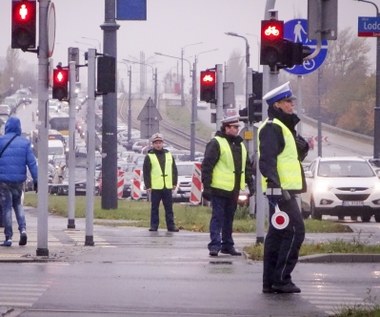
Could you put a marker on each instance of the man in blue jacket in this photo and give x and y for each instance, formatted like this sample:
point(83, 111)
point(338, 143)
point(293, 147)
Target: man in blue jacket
point(15, 156)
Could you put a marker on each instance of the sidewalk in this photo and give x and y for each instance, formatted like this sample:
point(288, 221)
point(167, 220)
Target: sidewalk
point(65, 244)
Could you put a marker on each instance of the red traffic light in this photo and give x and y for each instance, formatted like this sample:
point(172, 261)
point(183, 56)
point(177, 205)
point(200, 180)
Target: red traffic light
point(60, 83)
point(272, 30)
point(208, 80)
point(23, 24)
point(207, 77)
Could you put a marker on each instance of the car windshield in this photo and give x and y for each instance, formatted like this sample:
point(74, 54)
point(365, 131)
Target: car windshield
point(345, 169)
point(185, 170)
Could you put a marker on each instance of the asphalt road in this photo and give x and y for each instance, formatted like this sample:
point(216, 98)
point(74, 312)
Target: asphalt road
point(133, 272)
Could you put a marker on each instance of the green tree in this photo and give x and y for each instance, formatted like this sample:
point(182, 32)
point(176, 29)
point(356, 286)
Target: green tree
point(344, 84)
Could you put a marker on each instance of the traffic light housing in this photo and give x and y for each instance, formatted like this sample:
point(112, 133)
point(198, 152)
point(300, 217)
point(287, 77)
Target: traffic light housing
point(60, 83)
point(277, 51)
point(272, 35)
point(106, 75)
point(208, 86)
point(24, 24)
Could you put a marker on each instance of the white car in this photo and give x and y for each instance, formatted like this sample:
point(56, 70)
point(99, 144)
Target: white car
point(185, 173)
point(341, 186)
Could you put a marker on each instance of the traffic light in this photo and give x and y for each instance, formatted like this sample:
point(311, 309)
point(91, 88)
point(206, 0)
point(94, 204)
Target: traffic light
point(106, 75)
point(60, 83)
point(208, 85)
point(257, 85)
point(23, 24)
point(254, 113)
point(272, 35)
point(277, 51)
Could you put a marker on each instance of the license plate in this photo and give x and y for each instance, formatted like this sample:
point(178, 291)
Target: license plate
point(352, 203)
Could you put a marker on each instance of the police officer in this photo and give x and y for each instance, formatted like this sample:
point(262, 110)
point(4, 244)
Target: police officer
point(281, 151)
point(160, 178)
point(225, 171)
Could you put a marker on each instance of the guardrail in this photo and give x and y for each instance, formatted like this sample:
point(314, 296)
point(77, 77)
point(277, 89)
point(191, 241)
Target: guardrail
point(353, 135)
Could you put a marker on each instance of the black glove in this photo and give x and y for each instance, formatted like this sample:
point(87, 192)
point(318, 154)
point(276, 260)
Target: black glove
point(206, 194)
point(273, 193)
point(251, 191)
point(302, 147)
point(35, 187)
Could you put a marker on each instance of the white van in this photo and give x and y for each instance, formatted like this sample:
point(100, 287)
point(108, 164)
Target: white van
point(56, 150)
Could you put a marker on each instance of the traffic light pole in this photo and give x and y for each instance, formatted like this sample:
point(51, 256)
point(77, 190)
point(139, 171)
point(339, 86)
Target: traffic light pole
point(109, 123)
point(270, 80)
point(71, 160)
point(43, 129)
point(219, 95)
point(90, 141)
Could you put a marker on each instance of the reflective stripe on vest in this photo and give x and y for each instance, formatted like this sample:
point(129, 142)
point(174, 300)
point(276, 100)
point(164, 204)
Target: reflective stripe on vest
point(223, 175)
point(158, 179)
point(288, 166)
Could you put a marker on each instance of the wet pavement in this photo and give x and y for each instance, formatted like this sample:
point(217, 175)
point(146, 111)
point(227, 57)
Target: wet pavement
point(133, 272)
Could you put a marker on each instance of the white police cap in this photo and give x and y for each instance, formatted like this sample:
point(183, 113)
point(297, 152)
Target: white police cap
point(231, 120)
point(282, 92)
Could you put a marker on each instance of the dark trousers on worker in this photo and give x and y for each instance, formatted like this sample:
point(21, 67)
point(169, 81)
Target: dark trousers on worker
point(222, 218)
point(281, 247)
point(166, 196)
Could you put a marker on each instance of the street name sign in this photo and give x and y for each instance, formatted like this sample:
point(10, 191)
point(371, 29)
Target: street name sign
point(369, 26)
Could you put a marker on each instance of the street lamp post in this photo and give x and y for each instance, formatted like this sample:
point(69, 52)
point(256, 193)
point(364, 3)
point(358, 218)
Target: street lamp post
point(193, 100)
point(247, 58)
point(154, 72)
point(182, 77)
point(376, 129)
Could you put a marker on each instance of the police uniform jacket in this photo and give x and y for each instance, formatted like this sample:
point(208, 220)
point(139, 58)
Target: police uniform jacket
point(272, 143)
point(211, 157)
point(147, 167)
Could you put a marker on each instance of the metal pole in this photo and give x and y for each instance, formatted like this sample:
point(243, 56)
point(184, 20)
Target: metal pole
point(269, 82)
point(219, 94)
point(71, 160)
point(43, 130)
point(319, 116)
point(109, 133)
point(193, 112)
point(90, 142)
point(155, 88)
point(376, 136)
point(130, 104)
point(182, 81)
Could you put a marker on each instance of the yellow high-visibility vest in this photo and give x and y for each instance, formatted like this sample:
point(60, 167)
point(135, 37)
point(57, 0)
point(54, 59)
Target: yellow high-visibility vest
point(223, 176)
point(288, 165)
point(159, 180)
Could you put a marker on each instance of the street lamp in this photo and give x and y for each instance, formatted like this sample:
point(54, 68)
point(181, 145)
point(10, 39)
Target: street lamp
point(182, 78)
point(93, 39)
point(376, 129)
point(247, 58)
point(154, 72)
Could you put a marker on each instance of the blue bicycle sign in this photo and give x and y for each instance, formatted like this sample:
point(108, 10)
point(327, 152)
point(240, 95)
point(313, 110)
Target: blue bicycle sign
point(296, 31)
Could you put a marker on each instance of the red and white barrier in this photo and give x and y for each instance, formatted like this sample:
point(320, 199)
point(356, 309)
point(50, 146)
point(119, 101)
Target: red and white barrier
point(196, 185)
point(120, 183)
point(136, 184)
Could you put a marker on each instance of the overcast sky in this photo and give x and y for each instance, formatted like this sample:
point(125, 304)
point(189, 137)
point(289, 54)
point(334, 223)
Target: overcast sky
point(174, 24)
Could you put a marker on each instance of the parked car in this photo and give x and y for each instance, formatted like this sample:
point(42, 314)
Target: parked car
point(62, 187)
point(341, 186)
point(185, 174)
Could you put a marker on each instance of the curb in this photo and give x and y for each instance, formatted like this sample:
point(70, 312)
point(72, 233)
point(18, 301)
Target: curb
point(340, 258)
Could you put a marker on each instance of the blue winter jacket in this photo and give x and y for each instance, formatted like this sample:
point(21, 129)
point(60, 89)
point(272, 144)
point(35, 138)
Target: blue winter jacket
point(17, 156)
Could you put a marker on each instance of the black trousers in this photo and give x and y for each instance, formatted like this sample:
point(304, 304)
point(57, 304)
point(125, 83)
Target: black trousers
point(281, 247)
